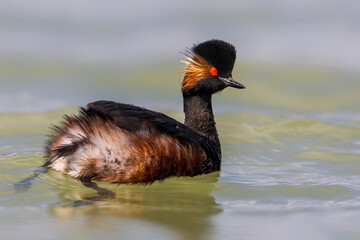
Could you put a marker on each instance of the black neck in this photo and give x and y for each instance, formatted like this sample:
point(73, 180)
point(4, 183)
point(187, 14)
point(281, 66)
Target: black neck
point(199, 115)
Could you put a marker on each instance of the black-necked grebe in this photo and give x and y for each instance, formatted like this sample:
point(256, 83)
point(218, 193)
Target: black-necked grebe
point(122, 143)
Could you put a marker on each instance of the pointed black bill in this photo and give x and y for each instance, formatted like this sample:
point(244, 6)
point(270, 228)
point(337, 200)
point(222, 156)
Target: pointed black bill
point(232, 83)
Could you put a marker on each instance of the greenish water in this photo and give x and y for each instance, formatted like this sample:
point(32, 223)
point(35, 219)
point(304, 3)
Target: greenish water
point(290, 140)
point(289, 173)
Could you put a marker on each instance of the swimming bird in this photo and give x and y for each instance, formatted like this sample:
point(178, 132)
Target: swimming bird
point(123, 143)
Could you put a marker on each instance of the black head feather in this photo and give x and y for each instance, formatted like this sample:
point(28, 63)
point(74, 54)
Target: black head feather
point(220, 54)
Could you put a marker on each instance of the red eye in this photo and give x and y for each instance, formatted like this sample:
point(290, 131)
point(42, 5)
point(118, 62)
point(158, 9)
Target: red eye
point(213, 71)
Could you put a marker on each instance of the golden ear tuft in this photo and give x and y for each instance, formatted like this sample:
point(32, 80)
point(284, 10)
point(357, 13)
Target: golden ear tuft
point(197, 68)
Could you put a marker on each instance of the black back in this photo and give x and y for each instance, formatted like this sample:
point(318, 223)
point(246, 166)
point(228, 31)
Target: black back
point(133, 118)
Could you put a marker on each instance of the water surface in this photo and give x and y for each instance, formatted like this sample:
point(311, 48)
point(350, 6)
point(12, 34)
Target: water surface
point(290, 140)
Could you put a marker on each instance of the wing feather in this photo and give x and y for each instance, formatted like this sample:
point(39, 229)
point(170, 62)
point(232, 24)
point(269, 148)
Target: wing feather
point(134, 118)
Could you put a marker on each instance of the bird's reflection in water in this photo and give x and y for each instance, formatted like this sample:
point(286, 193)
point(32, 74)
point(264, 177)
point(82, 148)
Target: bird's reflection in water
point(184, 205)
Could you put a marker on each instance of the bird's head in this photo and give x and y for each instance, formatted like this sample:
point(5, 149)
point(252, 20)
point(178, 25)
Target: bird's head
point(209, 66)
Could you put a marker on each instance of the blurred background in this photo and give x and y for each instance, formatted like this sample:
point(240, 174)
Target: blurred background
point(290, 140)
point(293, 56)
